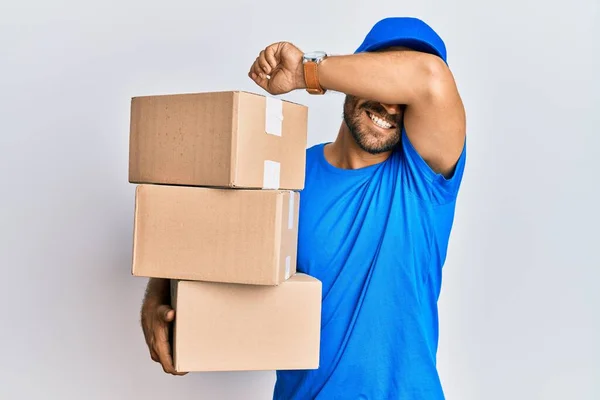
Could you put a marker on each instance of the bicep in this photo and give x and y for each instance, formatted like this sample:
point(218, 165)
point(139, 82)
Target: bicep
point(435, 123)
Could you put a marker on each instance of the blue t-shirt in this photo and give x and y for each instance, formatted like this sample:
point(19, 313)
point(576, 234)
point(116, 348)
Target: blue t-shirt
point(376, 237)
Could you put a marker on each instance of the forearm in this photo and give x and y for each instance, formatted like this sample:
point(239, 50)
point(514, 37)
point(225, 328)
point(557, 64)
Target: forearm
point(395, 77)
point(158, 291)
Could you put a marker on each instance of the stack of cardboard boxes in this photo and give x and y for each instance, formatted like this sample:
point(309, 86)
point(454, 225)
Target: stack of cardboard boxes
point(218, 177)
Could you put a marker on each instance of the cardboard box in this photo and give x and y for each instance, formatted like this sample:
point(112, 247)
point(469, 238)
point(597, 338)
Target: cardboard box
point(219, 139)
point(218, 235)
point(230, 327)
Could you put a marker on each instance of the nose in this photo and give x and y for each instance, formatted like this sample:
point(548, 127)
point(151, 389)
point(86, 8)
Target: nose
point(391, 108)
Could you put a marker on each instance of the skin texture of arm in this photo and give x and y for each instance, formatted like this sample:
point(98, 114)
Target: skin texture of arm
point(434, 117)
point(158, 289)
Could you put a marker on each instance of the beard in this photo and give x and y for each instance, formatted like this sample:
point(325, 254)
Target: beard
point(368, 138)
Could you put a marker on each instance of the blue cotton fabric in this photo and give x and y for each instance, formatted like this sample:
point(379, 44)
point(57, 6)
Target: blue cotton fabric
point(377, 238)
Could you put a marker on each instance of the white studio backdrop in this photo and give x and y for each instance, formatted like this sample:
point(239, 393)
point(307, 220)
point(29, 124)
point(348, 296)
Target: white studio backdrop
point(519, 306)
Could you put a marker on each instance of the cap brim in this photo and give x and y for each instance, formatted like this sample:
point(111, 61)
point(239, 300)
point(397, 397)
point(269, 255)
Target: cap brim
point(411, 43)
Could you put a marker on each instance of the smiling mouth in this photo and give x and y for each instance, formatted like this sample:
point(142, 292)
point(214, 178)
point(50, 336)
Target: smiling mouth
point(380, 122)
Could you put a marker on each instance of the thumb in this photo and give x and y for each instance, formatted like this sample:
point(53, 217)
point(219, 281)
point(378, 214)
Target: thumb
point(262, 82)
point(166, 313)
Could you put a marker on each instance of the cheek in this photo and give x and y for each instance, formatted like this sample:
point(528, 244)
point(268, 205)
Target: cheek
point(361, 114)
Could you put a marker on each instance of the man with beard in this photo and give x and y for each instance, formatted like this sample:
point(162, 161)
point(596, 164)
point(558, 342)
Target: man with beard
point(376, 212)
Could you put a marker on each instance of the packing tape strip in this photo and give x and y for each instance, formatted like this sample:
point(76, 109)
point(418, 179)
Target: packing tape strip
point(288, 267)
point(291, 208)
point(273, 116)
point(271, 174)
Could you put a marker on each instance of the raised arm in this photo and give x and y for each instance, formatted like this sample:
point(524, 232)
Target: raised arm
point(434, 117)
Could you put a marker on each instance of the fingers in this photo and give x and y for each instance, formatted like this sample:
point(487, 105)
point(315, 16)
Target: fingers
point(165, 313)
point(262, 82)
point(266, 61)
point(163, 353)
point(259, 78)
point(269, 53)
point(148, 327)
point(149, 336)
point(264, 64)
point(162, 349)
point(258, 69)
point(154, 355)
point(156, 330)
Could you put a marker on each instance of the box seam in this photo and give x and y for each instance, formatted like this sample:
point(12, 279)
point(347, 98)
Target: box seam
point(234, 139)
point(135, 228)
point(279, 237)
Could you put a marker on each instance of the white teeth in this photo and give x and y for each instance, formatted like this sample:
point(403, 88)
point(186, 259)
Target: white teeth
point(379, 122)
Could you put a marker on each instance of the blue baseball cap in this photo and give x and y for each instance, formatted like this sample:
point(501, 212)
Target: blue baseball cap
point(403, 31)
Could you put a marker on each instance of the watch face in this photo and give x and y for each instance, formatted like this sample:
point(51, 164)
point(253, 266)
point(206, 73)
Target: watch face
point(314, 55)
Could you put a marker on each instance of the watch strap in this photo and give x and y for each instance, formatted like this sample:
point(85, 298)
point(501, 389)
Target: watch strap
point(311, 78)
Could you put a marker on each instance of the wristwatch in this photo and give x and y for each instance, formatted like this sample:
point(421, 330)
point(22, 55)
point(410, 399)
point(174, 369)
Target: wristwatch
point(311, 62)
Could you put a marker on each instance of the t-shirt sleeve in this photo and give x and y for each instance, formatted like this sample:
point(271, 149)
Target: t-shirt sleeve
point(423, 181)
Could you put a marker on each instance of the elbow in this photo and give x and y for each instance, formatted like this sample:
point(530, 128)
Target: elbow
point(437, 79)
